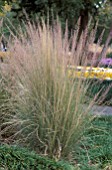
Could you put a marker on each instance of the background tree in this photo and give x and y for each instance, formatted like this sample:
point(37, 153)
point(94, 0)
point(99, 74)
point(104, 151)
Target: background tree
point(67, 10)
point(105, 21)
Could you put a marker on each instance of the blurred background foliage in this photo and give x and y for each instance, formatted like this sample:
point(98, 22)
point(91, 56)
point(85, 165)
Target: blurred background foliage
point(66, 10)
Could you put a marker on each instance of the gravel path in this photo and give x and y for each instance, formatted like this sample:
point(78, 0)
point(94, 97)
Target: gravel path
point(102, 110)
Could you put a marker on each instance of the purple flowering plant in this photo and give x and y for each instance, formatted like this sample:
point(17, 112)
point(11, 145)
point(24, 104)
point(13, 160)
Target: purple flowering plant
point(106, 62)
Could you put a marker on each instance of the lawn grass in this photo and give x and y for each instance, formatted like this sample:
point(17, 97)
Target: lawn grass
point(95, 151)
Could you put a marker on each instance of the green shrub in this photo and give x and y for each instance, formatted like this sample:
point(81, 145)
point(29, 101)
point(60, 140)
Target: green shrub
point(15, 158)
point(109, 55)
point(105, 89)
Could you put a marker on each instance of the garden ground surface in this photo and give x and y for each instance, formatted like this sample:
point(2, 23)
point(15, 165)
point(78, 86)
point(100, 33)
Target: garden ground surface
point(102, 110)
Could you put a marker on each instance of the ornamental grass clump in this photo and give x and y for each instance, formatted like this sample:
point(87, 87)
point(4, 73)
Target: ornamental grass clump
point(5, 107)
point(50, 114)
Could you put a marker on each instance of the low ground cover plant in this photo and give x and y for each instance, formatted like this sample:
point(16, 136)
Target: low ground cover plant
point(95, 149)
point(13, 158)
